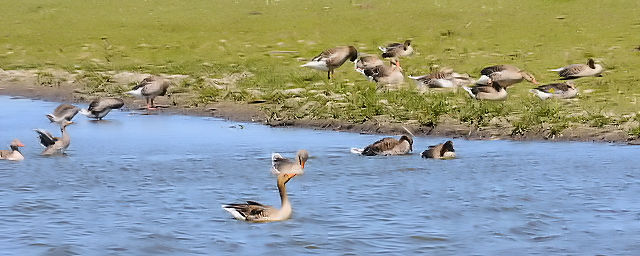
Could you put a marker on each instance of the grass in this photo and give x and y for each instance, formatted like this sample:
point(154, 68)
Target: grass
point(197, 39)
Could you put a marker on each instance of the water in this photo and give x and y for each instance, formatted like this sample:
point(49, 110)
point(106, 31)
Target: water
point(153, 184)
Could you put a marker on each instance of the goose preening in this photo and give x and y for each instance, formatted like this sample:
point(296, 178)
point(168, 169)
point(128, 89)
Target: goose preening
point(440, 151)
point(13, 154)
point(387, 146)
point(99, 108)
point(383, 74)
point(506, 75)
point(442, 79)
point(54, 145)
point(397, 50)
point(64, 112)
point(492, 91)
point(564, 90)
point(368, 61)
point(149, 88)
point(332, 58)
point(280, 164)
point(574, 71)
point(256, 212)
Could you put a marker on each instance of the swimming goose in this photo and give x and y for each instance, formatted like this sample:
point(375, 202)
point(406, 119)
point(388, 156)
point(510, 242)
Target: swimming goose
point(391, 74)
point(280, 164)
point(54, 145)
point(256, 212)
point(64, 112)
point(368, 61)
point(564, 90)
point(442, 79)
point(506, 75)
point(397, 50)
point(387, 146)
point(492, 91)
point(440, 151)
point(149, 88)
point(574, 71)
point(99, 108)
point(332, 58)
point(13, 154)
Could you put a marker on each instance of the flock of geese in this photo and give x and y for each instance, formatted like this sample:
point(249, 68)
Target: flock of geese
point(492, 84)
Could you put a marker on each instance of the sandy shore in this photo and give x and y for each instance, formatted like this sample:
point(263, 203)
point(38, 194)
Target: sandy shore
point(26, 85)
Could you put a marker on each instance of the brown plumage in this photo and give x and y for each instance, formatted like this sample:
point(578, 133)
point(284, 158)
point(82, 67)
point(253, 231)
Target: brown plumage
point(389, 146)
point(99, 108)
point(256, 212)
point(440, 151)
point(332, 58)
point(574, 71)
point(150, 88)
point(64, 112)
point(14, 154)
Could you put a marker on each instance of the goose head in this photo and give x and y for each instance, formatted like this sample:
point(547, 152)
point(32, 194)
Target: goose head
point(570, 84)
point(353, 53)
point(591, 63)
point(65, 124)
point(15, 144)
point(409, 140)
point(529, 77)
point(302, 157)
point(283, 178)
point(406, 44)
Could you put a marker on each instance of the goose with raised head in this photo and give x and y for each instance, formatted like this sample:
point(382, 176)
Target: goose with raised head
point(564, 90)
point(440, 151)
point(150, 88)
point(332, 58)
point(385, 74)
point(574, 71)
point(492, 91)
point(387, 146)
point(506, 75)
point(99, 108)
point(64, 112)
point(14, 154)
point(255, 212)
point(54, 145)
point(280, 164)
point(397, 50)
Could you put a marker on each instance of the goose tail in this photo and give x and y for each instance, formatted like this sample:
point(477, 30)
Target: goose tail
point(357, 151)
point(469, 91)
point(85, 112)
point(556, 70)
point(234, 212)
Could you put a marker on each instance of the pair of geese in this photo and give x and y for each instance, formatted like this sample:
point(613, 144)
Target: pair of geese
point(286, 169)
point(369, 65)
point(149, 88)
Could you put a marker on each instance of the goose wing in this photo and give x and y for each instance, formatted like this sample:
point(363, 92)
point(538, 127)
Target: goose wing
point(102, 104)
point(572, 70)
point(498, 68)
point(553, 88)
point(380, 146)
point(66, 111)
point(251, 211)
point(279, 163)
point(46, 139)
point(155, 87)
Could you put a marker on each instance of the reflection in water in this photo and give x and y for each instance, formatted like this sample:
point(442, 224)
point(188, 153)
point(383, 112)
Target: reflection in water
point(153, 184)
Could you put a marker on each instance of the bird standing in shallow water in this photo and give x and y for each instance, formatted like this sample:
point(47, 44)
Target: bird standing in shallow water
point(64, 112)
point(99, 108)
point(149, 88)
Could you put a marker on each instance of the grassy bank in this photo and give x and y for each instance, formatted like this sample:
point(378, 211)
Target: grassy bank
point(267, 40)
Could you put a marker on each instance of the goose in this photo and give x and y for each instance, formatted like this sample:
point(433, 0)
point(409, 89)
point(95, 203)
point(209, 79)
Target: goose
point(574, 71)
point(149, 88)
point(442, 79)
point(332, 58)
point(280, 164)
point(492, 91)
point(564, 90)
point(368, 61)
point(387, 146)
point(383, 74)
point(506, 75)
point(256, 212)
point(396, 50)
point(64, 112)
point(13, 154)
point(440, 151)
point(99, 108)
point(55, 145)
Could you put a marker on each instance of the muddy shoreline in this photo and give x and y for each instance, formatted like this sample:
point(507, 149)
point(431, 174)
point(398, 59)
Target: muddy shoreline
point(243, 112)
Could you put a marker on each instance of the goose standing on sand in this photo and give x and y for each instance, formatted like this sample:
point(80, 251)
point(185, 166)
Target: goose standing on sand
point(397, 50)
point(149, 88)
point(14, 154)
point(492, 91)
point(64, 112)
point(440, 151)
point(383, 74)
point(564, 90)
point(332, 58)
point(387, 146)
point(506, 75)
point(442, 79)
point(99, 108)
point(55, 145)
point(574, 71)
point(367, 62)
point(256, 212)
point(280, 164)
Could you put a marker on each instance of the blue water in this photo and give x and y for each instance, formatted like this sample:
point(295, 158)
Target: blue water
point(153, 185)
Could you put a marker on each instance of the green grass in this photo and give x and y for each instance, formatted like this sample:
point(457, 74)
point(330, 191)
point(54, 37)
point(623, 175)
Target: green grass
point(198, 39)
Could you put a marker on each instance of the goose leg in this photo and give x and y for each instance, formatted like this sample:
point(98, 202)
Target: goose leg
point(153, 107)
point(329, 74)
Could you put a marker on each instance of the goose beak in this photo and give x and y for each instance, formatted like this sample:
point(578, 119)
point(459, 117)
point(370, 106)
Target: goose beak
point(20, 145)
point(302, 164)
